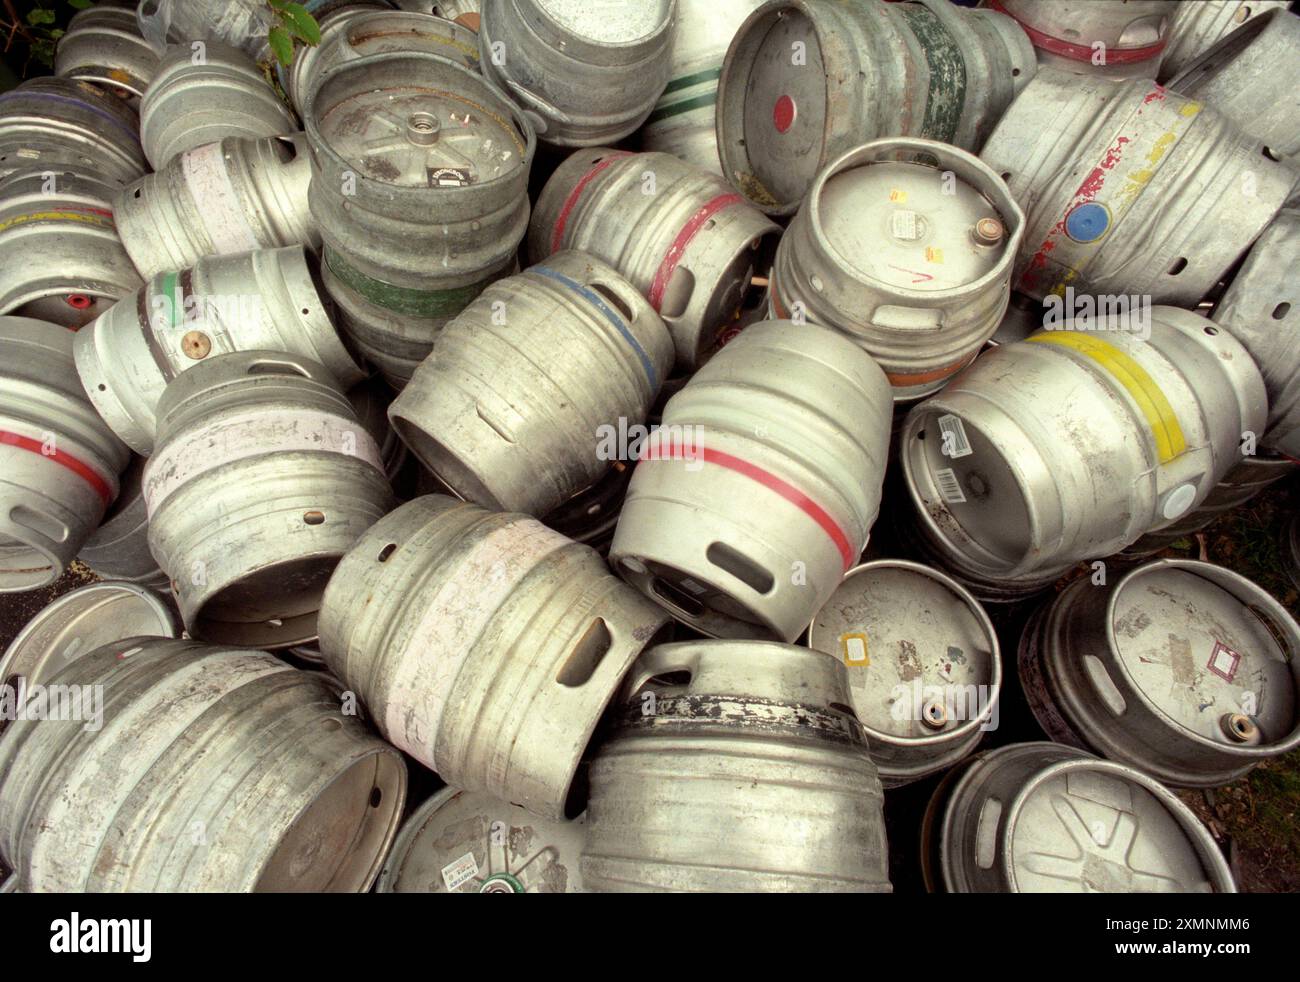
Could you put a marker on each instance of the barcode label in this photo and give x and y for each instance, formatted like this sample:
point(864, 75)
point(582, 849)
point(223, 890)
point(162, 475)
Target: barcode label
point(949, 486)
point(953, 432)
point(456, 874)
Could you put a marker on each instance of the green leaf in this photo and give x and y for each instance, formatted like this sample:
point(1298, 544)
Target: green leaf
point(43, 51)
point(40, 15)
point(81, 4)
point(282, 45)
point(300, 21)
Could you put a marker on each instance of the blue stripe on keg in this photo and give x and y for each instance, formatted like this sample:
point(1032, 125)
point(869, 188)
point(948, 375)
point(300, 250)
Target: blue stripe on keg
point(612, 317)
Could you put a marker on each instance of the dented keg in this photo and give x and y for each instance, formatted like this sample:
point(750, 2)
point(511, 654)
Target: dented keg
point(291, 793)
point(593, 354)
point(1182, 669)
point(683, 121)
point(906, 247)
point(681, 236)
point(486, 646)
point(805, 81)
point(1108, 38)
point(1103, 437)
point(58, 461)
point(1196, 27)
point(1239, 78)
point(420, 187)
point(103, 45)
point(206, 92)
point(80, 622)
point(356, 32)
point(749, 774)
point(223, 198)
point(119, 548)
point(253, 301)
point(1261, 309)
point(1042, 818)
point(467, 842)
point(58, 124)
point(756, 494)
point(261, 480)
point(587, 72)
point(1102, 169)
point(922, 663)
point(61, 259)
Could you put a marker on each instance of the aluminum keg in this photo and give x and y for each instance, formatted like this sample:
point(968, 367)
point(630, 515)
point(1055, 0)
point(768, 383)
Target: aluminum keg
point(206, 92)
point(1180, 668)
point(756, 494)
point(1103, 437)
point(467, 842)
point(683, 121)
point(1261, 309)
point(58, 461)
point(103, 46)
point(119, 548)
point(61, 259)
point(223, 198)
point(805, 81)
point(922, 663)
point(519, 405)
point(261, 480)
point(253, 301)
point(1102, 169)
point(735, 767)
point(587, 72)
point(211, 770)
point(1239, 78)
point(1042, 818)
point(355, 32)
point(1197, 26)
point(420, 187)
point(906, 247)
point(486, 646)
point(1107, 38)
point(58, 124)
point(683, 238)
point(80, 622)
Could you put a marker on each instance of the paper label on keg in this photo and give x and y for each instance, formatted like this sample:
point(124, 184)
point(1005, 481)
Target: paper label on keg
point(1223, 661)
point(898, 196)
point(459, 872)
point(903, 224)
point(216, 200)
point(953, 434)
point(949, 486)
point(854, 649)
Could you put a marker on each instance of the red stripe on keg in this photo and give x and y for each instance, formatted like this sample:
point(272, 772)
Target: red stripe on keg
point(684, 239)
point(770, 481)
point(85, 472)
point(571, 202)
point(1081, 52)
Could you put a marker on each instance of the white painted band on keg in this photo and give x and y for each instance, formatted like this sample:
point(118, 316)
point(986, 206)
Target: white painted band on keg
point(253, 434)
point(216, 200)
point(449, 628)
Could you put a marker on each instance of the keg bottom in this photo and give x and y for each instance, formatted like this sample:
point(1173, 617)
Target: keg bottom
point(273, 607)
point(338, 843)
point(458, 476)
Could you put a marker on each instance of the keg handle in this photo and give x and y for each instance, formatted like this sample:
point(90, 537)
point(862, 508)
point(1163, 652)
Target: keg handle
point(660, 660)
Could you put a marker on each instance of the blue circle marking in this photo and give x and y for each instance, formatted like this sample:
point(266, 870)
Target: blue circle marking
point(1088, 222)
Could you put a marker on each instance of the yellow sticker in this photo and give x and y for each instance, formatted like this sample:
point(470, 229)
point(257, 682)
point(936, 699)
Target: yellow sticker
point(933, 254)
point(897, 195)
point(854, 650)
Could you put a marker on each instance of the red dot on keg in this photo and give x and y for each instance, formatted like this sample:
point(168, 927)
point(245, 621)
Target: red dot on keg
point(783, 114)
point(78, 301)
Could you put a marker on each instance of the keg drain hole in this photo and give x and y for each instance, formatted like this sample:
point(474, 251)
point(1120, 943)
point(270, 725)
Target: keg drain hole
point(1179, 265)
point(741, 567)
point(314, 518)
point(1211, 331)
point(586, 655)
point(1281, 310)
point(385, 552)
point(376, 796)
point(1272, 154)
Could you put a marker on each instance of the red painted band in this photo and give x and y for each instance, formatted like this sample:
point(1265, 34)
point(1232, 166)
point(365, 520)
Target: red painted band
point(86, 473)
point(1081, 52)
point(770, 481)
point(684, 238)
point(571, 202)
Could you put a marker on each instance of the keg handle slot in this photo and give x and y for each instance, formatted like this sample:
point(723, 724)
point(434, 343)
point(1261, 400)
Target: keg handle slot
point(44, 525)
point(657, 666)
point(586, 655)
point(737, 564)
point(264, 366)
point(612, 295)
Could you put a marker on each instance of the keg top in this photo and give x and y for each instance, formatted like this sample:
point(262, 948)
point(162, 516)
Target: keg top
point(609, 21)
point(921, 654)
point(444, 848)
point(894, 222)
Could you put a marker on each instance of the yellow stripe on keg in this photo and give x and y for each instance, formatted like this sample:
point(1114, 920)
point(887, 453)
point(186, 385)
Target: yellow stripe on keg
point(1160, 415)
point(56, 216)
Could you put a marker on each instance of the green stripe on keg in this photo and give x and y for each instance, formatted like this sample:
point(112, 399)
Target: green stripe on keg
point(686, 81)
point(403, 300)
point(947, 95)
point(175, 301)
point(685, 106)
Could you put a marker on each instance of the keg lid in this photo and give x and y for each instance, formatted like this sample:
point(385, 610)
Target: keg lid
point(1089, 826)
point(921, 654)
point(468, 842)
point(609, 21)
point(910, 225)
point(1208, 650)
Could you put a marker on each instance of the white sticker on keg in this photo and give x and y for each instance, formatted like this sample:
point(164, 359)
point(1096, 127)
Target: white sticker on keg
point(949, 486)
point(220, 210)
point(953, 435)
point(904, 225)
point(459, 872)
